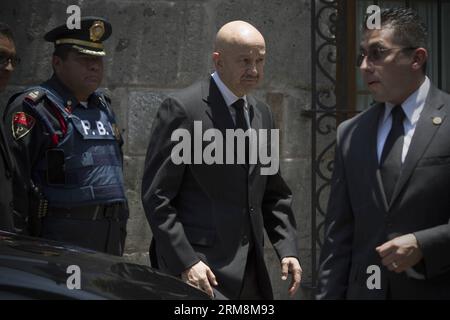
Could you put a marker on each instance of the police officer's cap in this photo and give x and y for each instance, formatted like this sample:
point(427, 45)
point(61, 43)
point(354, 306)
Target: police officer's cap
point(87, 40)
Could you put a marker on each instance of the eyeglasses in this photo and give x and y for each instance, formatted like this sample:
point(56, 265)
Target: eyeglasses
point(376, 53)
point(5, 59)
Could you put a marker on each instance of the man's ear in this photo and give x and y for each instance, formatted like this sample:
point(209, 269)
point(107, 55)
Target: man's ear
point(420, 58)
point(56, 62)
point(217, 60)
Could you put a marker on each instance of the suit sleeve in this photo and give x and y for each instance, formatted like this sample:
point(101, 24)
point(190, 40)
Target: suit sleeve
point(279, 220)
point(435, 245)
point(335, 258)
point(161, 182)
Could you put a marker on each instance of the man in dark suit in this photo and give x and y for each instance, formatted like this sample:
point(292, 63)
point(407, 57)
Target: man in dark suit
point(8, 61)
point(387, 232)
point(208, 219)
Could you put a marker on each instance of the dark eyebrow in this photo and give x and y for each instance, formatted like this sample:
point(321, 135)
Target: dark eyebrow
point(378, 44)
point(4, 50)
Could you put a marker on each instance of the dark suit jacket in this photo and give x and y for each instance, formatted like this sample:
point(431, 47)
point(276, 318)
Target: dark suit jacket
point(6, 190)
point(359, 218)
point(198, 211)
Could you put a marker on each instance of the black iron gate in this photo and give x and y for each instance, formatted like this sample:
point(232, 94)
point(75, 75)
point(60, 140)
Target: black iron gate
point(323, 109)
point(328, 21)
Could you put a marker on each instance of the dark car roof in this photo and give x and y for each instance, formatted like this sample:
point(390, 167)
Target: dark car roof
point(37, 268)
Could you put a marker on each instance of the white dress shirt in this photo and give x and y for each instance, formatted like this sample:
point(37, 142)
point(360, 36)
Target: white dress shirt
point(231, 98)
point(412, 107)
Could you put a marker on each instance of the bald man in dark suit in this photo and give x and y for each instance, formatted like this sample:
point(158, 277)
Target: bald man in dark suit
point(208, 219)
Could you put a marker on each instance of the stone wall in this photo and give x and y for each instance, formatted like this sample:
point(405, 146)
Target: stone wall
point(160, 46)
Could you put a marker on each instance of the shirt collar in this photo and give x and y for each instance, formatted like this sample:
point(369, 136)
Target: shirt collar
point(227, 94)
point(66, 95)
point(413, 105)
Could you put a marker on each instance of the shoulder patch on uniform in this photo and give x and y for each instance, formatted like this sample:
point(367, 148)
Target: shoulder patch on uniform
point(35, 95)
point(22, 124)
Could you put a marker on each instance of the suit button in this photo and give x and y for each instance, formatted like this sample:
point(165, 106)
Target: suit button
point(11, 204)
point(244, 240)
point(252, 210)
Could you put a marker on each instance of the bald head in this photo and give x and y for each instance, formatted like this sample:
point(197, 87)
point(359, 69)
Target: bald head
point(237, 33)
point(239, 53)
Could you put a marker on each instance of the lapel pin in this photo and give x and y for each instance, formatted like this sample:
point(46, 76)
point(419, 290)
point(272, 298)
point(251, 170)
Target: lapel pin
point(437, 120)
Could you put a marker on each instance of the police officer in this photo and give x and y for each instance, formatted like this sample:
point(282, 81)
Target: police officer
point(67, 145)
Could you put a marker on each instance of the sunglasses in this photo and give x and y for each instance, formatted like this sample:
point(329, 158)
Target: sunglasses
point(376, 53)
point(5, 59)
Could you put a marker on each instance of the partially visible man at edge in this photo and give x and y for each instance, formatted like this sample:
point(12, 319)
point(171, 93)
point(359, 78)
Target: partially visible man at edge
point(8, 61)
